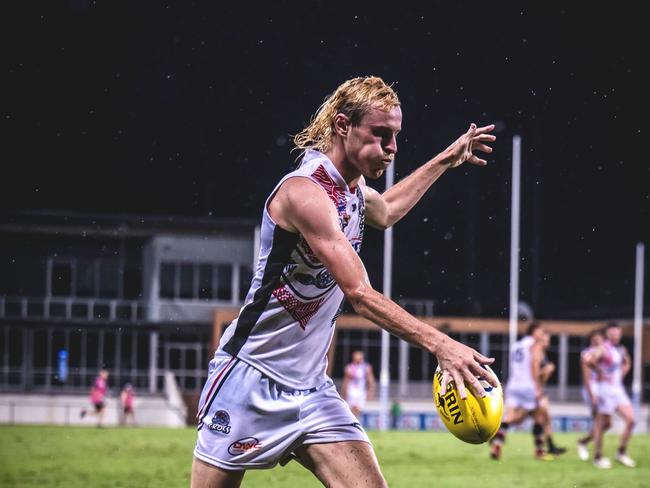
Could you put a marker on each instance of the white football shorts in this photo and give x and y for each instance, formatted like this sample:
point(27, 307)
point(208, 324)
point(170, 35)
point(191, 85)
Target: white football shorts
point(248, 421)
point(521, 398)
point(585, 396)
point(610, 397)
point(356, 397)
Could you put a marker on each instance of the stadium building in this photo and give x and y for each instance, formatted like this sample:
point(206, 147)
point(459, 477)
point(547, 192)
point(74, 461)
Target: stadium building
point(147, 298)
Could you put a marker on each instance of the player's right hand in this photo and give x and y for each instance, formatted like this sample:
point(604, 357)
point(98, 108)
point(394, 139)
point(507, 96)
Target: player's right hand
point(462, 149)
point(463, 365)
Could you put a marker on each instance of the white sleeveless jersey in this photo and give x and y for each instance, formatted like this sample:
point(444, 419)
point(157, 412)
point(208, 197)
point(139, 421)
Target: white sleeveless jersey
point(286, 324)
point(611, 364)
point(357, 373)
point(585, 353)
point(521, 376)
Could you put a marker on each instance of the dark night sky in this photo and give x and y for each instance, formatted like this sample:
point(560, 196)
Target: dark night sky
point(185, 108)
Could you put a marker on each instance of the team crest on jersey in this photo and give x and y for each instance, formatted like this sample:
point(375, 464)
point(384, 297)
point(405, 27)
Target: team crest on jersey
point(220, 422)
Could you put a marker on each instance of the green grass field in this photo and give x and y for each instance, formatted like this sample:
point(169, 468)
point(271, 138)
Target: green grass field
point(75, 457)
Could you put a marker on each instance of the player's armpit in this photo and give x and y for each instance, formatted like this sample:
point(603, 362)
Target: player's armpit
point(376, 210)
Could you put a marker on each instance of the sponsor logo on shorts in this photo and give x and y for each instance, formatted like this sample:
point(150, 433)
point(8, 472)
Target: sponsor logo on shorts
point(242, 446)
point(220, 422)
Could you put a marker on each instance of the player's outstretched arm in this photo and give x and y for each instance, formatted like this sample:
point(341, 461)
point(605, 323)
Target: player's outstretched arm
point(384, 210)
point(300, 205)
point(627, 362)
point(535, 363)
point(370, 381)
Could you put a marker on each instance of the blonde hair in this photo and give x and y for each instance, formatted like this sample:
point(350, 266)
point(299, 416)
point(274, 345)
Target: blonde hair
point(353, 98)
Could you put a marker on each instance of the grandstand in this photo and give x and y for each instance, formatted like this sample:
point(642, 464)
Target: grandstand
point(148, 298)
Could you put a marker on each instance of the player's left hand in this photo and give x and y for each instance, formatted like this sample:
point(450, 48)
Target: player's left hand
point(463, 148)
point(462, 365)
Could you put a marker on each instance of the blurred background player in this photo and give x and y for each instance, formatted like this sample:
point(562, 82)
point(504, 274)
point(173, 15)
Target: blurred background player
point(613, 361)
point(358, 383)
point(127, 400)
point(542, 414)
point(590, 378)
point(98, 396)
point(523, 390)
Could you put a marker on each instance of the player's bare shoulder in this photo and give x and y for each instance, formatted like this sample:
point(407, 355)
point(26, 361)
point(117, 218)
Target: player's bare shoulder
point(298, 198)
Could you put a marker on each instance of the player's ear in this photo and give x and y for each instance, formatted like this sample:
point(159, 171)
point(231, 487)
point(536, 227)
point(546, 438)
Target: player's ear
point(341, 124)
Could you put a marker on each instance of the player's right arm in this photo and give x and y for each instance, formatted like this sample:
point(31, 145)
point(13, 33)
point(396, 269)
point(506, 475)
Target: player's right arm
point(536, 355)
point(300, 205)
point(370, 382)
point(585, 368)
point(346, 382)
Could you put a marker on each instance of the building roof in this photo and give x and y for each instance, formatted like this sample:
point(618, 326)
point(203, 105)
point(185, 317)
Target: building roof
point(118, 225)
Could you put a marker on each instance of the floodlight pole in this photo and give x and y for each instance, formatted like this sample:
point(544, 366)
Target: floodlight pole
point(637, 392)
point(384, 374)
point(514, 241)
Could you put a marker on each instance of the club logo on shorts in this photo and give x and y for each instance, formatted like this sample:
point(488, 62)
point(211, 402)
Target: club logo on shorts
point(220, 422)
point(242, 446)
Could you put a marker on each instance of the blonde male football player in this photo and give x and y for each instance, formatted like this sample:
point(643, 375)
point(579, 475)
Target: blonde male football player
point(267, 397)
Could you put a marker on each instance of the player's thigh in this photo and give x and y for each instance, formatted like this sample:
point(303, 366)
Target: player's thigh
point(342, 464)
point(604, 421)
point(515, 415)
point(205, 475)
point(626, 412)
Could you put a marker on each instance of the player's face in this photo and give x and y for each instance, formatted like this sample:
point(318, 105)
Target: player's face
point(371, 146)
point(357, 357)
point(597, 340)
point(614, 335)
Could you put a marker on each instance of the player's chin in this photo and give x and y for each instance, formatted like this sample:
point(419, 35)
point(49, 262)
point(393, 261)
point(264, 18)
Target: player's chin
point(374, 174)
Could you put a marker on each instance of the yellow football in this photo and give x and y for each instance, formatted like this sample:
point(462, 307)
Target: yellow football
point(474, 420)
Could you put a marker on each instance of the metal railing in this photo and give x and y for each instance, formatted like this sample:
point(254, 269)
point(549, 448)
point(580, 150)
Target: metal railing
point(73, 308)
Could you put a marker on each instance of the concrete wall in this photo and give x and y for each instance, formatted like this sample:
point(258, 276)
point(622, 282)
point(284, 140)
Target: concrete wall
point(66, 409)
point(567, 417)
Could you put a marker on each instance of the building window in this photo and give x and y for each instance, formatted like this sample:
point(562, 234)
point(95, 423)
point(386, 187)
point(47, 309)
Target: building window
point(86, 282)
point(245, 279)
point(167, 280)
point(61, 284)
point(109, 279)
point(224, 282)
point(132, 283)
point(187, 281)
point(205, 281)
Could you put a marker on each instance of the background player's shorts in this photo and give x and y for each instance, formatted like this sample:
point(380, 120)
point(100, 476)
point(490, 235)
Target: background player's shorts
point(585, 395)
point(99, 406)
point(246, 420)
point(356, 398)
point(521, 398)
point(610, 397)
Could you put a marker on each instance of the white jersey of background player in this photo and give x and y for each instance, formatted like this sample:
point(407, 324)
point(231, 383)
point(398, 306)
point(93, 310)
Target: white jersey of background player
point(358, 383)
point(523, 390)
point(612, 363)
point(590, 380)
point(267, 396)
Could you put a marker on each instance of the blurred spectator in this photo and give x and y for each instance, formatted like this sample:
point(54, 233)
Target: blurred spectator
point(98, 394)
point(358, 383)
point(127, 398)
